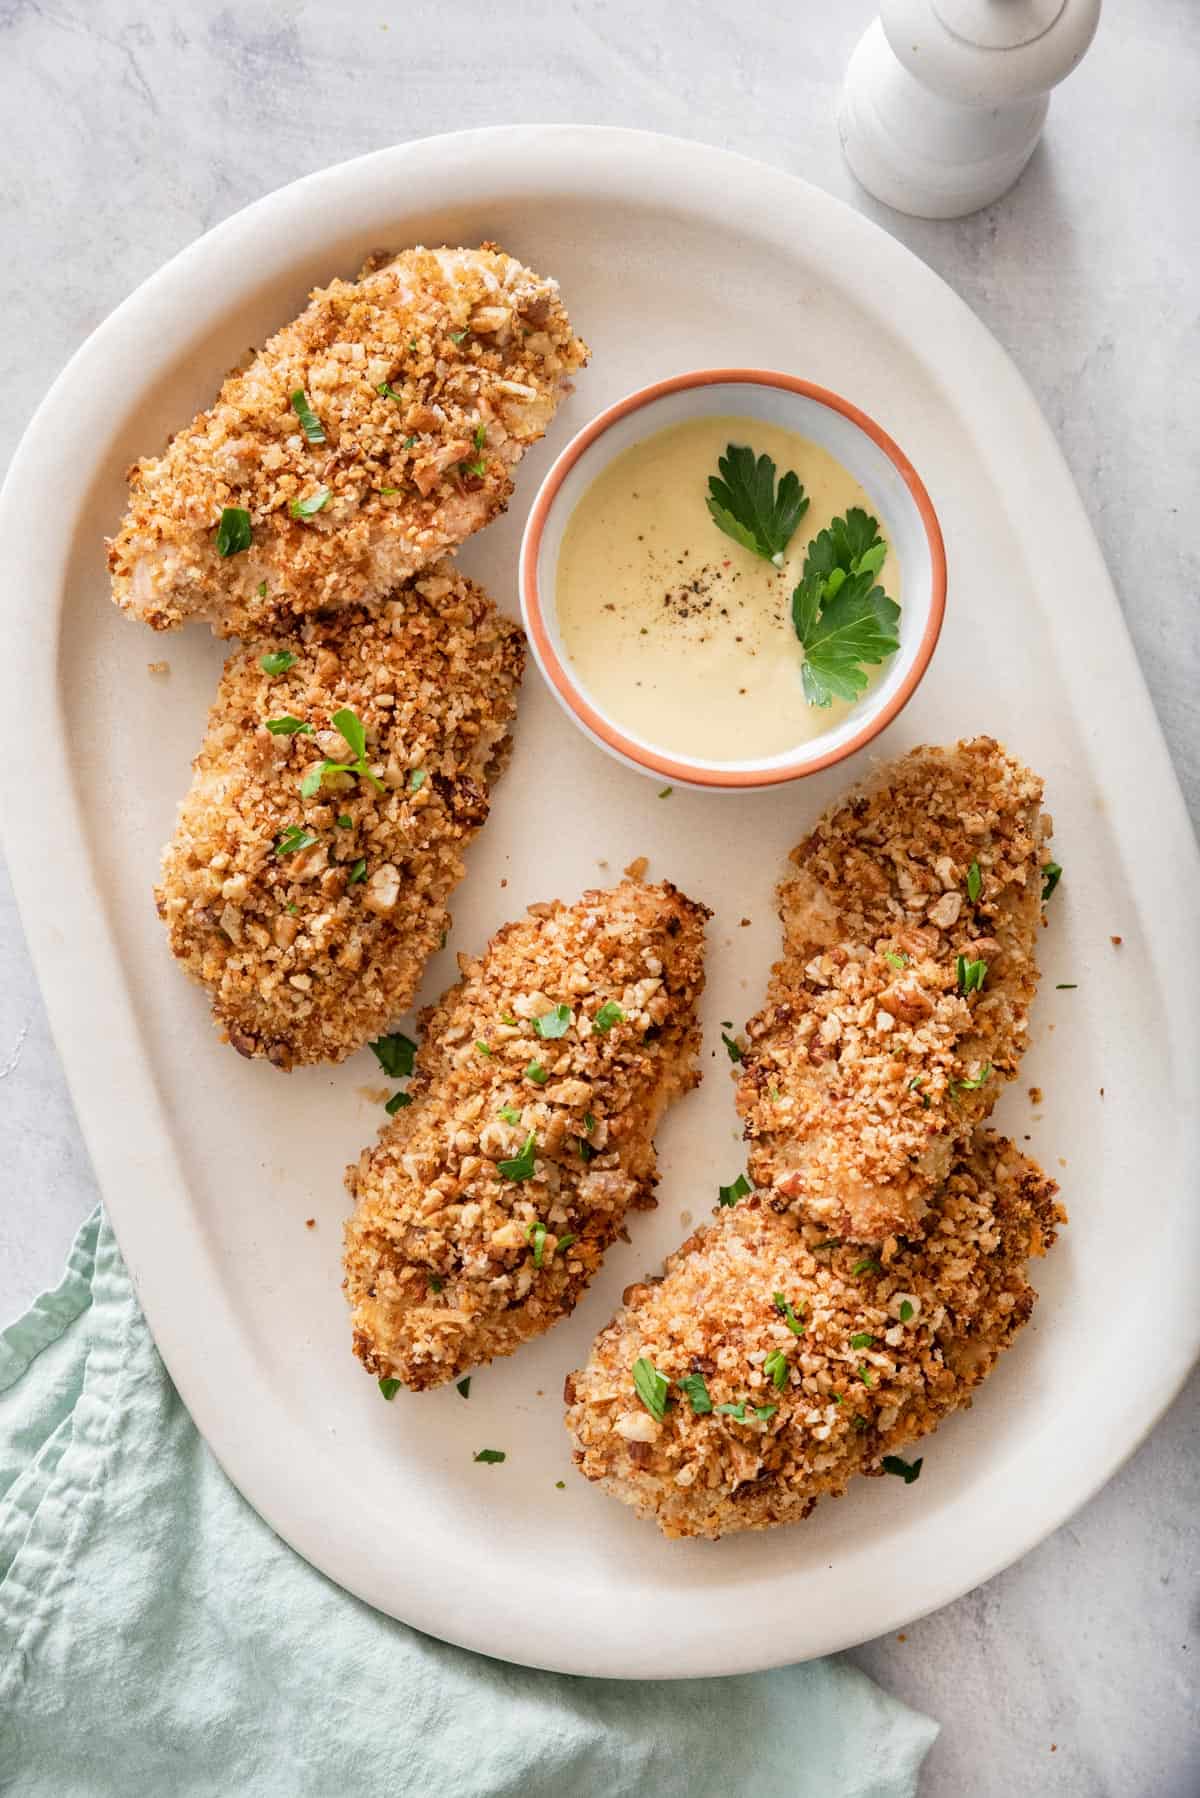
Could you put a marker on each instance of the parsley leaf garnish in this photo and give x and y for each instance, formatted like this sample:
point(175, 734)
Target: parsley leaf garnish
point(893, 960)
point(519, 1167)
point(610, 1013)
point(537, 1073)
point(278, 661)
point(776, 1368)
point(694, 1389)
point(731, 1048)
point(396, 1103)
point(729, 1195)
point(358, 872)
point(651, 1387)
point(745, 504)
point(554, 1023)
point(907, 1471)
point(974, 883)
point(789, 1317)
point(395, 1054)
point(417, 779)
point(1051, 875)
point(839, 614)
point(308, 508)
point(310, 424)
point(666, 792)
point(463, 1388)
point(287, 726)
point(738, 1410)
point(233, 533)
point(492, 1456)
point(867, 1265)
point(864, 1339)
point(294, 837)
point(906, 1310)
point(510, 1114)
point(389, 1387)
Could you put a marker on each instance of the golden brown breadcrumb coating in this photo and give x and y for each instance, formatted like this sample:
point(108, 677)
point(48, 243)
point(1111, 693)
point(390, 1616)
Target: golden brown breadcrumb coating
point(429, 378)
point(869, 1064)
point(308, 951)
point(487, 1206)
point(823, 1404)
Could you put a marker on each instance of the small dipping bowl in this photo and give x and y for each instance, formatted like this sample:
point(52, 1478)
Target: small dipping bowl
point(878, 464)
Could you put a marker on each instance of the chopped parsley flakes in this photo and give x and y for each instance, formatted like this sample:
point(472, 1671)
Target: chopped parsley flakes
point(776, 1368)
point(463, 1388)
point(287, 726)
point(651, 1387)
point(350, 727)
point(395, 1054)
point(308, 508)
point(397, 1102)
point(537, 1073)
point(233, 533)
point(389, 1387)
point(310, 424)
point(906, 1471)
point(729, 1195)
point(277, 661)
point(694, 1389)
point(970, 975)
point(520, 1167)
point(536, 1234)
point(294, 838)
point(553, 1024)
point(731, 1048)
point(1051, 875)
point(794, 1323)
point(610, 1013)
point(974, 883)
point(491, 1456)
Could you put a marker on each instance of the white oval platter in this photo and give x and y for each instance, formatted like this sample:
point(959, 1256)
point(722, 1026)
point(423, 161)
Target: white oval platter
point(670, 256)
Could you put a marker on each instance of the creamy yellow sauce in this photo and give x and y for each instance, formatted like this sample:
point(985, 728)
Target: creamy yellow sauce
point(682, 637)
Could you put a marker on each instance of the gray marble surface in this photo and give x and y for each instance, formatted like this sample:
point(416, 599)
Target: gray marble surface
point(130, 129)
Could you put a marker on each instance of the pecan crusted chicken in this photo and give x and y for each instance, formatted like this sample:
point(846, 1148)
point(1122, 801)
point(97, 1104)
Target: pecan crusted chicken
point(309, 916)
point(372, 434)
point(778, 1363)
point(486, 1206)
point(900, 1005)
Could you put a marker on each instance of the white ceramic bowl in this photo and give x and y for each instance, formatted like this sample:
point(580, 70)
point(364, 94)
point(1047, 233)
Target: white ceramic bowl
point(858, 443)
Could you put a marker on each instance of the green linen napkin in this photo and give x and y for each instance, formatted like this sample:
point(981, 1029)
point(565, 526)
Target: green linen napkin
point(156, 1638)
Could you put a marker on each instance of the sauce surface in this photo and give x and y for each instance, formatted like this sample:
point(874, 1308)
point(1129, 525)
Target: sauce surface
point(683, 637)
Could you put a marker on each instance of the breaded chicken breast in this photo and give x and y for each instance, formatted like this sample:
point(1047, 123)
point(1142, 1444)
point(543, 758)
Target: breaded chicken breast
point(900, 1005)
point(345, 769)
point(771, 1364)
point(367, 438)
point(486, 1207)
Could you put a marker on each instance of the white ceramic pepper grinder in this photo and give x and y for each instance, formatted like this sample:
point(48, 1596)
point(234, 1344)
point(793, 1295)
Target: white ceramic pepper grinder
point(944, 100)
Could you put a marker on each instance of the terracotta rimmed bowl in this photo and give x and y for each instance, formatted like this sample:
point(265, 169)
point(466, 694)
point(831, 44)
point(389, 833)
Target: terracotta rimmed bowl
point(907, 519)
